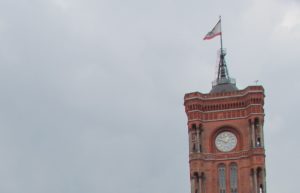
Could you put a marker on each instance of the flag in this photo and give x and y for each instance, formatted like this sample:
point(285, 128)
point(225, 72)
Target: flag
point(216, 31)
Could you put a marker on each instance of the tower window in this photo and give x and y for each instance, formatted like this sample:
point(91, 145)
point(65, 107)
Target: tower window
point(258, 144)
point(260, 189)
point(233, 178)
point(222, 178)
point(194, 147)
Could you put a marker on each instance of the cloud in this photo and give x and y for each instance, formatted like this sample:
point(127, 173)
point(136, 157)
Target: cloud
point(92, 91)
point(289, 26)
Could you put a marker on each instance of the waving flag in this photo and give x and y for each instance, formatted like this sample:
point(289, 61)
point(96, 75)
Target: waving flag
point(216, 31)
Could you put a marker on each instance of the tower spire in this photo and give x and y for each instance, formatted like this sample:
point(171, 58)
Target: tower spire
point(223, 82)
point(222, 68)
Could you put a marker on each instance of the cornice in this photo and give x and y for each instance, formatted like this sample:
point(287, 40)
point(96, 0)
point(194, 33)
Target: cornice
point(227, 156)
point(209, 98)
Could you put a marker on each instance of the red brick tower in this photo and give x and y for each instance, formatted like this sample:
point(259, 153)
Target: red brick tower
point(226, 140)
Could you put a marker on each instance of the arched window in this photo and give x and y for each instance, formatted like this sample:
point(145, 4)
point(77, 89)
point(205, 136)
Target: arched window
point(261, 189)
point(222, 178)
point(233, 178)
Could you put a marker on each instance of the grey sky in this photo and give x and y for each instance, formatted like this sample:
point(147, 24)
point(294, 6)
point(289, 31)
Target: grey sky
point(92, 91)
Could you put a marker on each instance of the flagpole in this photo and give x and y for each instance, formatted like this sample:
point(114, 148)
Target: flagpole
point(221, 39)
point(222, 54)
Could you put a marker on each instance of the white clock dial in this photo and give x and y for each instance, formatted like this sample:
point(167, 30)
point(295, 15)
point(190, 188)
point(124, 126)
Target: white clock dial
point(226, 141)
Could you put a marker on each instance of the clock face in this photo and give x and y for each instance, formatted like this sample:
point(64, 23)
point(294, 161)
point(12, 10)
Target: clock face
point(226, 141)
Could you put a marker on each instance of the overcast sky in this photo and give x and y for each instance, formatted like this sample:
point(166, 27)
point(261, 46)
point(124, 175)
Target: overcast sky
point(92, 90)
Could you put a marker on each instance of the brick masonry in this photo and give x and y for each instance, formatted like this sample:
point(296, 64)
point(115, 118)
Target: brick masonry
point(240, 112)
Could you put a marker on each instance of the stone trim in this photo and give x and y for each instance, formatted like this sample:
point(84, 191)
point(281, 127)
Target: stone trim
point(216, 111)
point(233, 118)
point(227, 156)
point(207, 98)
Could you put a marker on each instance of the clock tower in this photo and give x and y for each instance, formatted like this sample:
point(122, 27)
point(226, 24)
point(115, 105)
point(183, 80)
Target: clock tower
point(226, 137)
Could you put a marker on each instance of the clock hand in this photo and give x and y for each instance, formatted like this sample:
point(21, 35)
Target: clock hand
point(227, 139)
point(223, 140)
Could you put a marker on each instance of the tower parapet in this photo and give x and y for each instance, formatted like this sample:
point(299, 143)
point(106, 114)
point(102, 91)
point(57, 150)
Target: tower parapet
point(239, 104)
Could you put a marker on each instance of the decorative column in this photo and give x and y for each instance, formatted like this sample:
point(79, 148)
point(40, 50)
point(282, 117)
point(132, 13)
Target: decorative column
point(203, 183)
point(251, 181)
point(264, 180)
point(260, 124)
point(190, 142)
point(200, 184)
point(255, 181)
point(193, 184)
point(253, 134)
point(250, 135)
point(198, 139)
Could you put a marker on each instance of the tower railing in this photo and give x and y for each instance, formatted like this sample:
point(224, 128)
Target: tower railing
point(224, 81)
